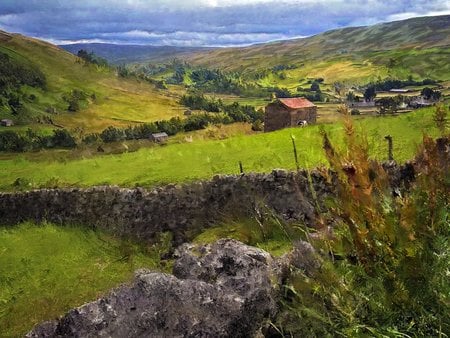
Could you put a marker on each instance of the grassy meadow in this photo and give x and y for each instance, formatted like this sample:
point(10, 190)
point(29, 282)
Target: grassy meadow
point(202, 159)
point(46, 270)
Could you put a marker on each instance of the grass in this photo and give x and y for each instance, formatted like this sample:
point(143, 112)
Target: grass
point(270, 236)
point(46, 270)
point(203, 159)
point(118, 102)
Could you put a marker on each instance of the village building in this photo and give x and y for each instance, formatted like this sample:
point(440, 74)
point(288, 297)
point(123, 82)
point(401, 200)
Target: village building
point(6, 123)
point(289, 112)
point(420, 101)
point(361, 104)
point(399, 90)
point(159, 137)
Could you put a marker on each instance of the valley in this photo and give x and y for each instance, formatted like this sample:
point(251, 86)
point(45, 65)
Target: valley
point(125, 157)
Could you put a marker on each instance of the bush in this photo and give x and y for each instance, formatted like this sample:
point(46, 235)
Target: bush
point(14, 142)
point(257, 126)
point(62, 139)
point(315, 86)
point(91, 138)
point(430, 94)
point(112, 134)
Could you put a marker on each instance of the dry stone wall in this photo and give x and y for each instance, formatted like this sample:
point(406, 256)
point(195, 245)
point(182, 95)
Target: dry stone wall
point(181, 209)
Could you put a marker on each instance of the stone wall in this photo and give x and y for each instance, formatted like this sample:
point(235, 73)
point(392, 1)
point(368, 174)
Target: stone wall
point(276, 117)
point(181, 209)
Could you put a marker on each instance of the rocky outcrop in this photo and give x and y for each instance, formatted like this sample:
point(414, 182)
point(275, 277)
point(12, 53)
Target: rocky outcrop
point(226, 289)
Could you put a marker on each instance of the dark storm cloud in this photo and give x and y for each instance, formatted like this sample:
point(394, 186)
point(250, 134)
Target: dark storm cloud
point(201, 22)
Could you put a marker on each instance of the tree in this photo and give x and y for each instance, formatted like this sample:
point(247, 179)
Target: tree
point(62, 138)
point(83, 54)
point(315, 87)
point(74, 105)
point(14, 103)
point(351, 97)
point(388, 105)
point(370, 93)
point(430, 94)
point(112, 134)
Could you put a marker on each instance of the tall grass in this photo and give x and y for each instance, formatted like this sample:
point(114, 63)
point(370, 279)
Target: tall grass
point(384, 270)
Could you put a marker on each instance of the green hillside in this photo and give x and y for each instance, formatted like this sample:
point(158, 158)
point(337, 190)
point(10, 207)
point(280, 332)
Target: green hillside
point(419, 47)
point(104, 98)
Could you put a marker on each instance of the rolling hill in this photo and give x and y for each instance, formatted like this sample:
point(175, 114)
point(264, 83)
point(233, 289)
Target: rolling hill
point(106, 99)
point(123, 54)
point(418, 47)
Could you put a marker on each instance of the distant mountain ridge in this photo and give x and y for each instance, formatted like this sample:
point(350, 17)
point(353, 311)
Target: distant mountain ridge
point(119, 54)
point(415, 33)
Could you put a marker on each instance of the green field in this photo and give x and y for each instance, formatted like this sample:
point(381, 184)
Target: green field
point(203, 159)
point(46, 270)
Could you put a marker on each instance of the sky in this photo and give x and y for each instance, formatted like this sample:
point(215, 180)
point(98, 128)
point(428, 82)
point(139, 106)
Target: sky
point(199, 22)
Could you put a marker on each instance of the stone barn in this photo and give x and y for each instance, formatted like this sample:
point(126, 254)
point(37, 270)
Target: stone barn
point(292, 112)
point(159, 137)
point(6, 123)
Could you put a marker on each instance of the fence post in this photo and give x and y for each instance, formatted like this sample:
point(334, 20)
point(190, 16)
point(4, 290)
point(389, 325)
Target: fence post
point(241, 168)
point(295, 152)
point(390, 147)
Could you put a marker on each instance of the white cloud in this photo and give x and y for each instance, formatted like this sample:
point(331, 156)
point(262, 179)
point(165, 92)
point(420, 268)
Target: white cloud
point(202, 22)
point(180, 38)
point(409, 15)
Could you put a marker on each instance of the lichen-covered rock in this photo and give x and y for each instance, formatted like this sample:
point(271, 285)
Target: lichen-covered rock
point(303, 256)
point(224, 290)
point(233, 267)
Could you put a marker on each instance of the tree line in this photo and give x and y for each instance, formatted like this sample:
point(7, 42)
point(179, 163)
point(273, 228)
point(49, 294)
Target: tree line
point(12, 141)
point(14, 74)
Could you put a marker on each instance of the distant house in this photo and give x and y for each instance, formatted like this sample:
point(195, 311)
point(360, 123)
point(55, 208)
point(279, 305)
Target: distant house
point(399, 91)
point(420, 101)
point(289, 112)
point(361, 104)
point(159, 137)
point(6, 123)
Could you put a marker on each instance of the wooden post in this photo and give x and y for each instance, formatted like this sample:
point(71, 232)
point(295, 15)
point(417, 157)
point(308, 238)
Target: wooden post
point(390, 147)
point(295, 152)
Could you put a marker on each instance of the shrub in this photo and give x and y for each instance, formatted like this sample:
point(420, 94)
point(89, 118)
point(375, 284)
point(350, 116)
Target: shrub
point(12, 141)
point(112, 134)
point(91, 138)
point(62, 139)
point(257, 126)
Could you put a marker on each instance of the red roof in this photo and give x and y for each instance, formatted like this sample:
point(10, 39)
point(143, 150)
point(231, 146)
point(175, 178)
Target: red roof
point(297, 102)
